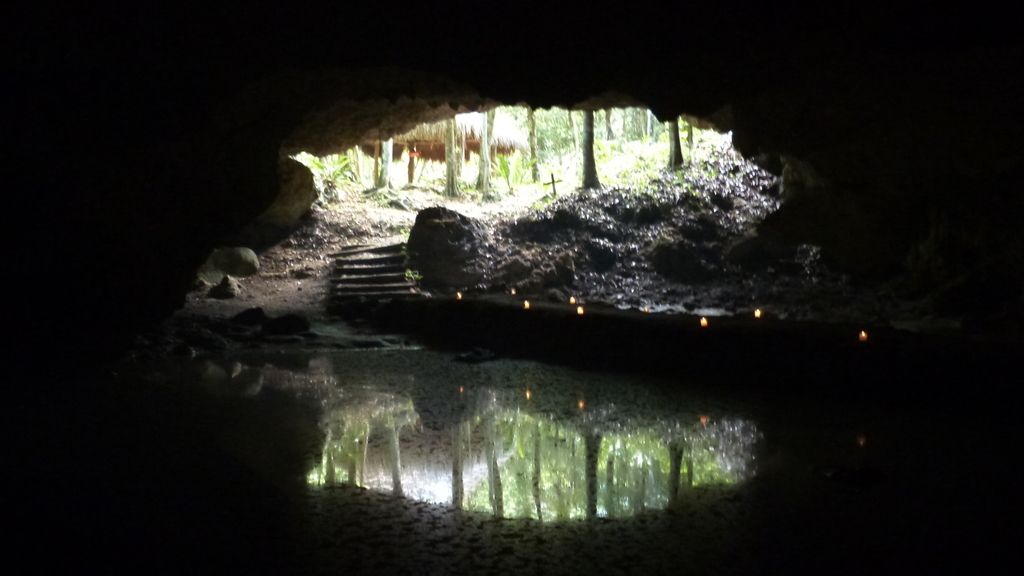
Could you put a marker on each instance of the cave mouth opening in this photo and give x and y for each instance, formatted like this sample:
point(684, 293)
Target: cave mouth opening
point(670, 226)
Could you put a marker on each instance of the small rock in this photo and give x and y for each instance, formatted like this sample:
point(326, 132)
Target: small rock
point(250, 317)
point(556, 295)
point(228, 288)
point(287, 324)
point(476, 356)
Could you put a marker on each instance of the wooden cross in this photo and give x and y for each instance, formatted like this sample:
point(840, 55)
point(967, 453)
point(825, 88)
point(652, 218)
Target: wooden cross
point(552, 184)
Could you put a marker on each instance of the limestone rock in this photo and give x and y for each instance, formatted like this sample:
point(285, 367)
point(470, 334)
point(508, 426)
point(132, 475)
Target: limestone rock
point(250, 317)
point(679, 260)
point(228, 288)
point(238, 261)
point(286, 325)
point(442, 248)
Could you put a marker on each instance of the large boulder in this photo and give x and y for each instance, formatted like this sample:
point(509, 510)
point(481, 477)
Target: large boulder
point(443, 246)
point(679, 260)
point(237, 262)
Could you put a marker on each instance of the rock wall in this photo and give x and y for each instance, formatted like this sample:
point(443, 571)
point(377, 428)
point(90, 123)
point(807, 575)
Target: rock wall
point(145, 138)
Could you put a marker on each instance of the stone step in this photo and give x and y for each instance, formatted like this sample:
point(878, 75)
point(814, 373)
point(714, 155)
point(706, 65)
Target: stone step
point(367, 249)
point(369, 278)
point(373, 259)
point(368, 269)
point(374, 295)
point(351, 288)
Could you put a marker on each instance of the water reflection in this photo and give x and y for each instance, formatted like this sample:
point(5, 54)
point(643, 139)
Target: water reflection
point(502, 456)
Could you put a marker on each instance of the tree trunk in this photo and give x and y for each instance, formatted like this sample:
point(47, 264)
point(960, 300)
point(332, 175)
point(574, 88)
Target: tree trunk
point(483, 180)
point(493, 472)
point(531, 123)
point(650, 125)
point(608, 134)
point(592, 445)
point(412, 166)
point(675, 152)
point(396, 461)
point(589, 164)
point(357, 163)
point(536, 471)
point(689, 139)
point(572, 131)
point(458, 442)
point(386, 150)
point(376, 164)
point(675, 471)
point(451, 159)
point(611, 504)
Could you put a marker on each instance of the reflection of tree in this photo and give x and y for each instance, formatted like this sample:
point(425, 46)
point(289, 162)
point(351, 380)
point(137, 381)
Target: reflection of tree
point(511, 463)
point(352, 425)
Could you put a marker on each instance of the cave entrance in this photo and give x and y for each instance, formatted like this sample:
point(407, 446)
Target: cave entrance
point(650, 224)
point(536, 156)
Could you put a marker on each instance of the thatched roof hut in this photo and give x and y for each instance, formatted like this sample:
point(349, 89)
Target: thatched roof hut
point(428, 139)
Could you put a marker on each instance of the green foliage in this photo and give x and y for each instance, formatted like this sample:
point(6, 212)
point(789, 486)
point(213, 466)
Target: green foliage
point(513, 169)
point(336, 169)
point(413, 275)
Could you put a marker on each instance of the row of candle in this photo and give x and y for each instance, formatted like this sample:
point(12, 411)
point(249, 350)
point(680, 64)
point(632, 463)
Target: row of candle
point(862, 336)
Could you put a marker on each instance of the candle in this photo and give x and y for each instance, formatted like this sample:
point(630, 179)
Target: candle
point(528, 394)
point(579, 310)
point(703, 322)
point(461, 389)
point(572, 299)
point(863, 336)
point(703, 420)
point(526, 304)
point(757, 313)
point(581, 405)
point(458, 295)
point(512, 292)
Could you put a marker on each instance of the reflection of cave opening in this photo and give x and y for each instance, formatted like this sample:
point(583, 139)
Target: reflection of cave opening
point(504, 458)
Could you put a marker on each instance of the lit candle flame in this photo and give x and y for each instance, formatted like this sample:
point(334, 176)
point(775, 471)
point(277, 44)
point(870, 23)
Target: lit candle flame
point(703, 322)
point(757, 313)
point(526, 304)
point(528, 394)
point(572, 299)
point(461, 389)
point(512, 292)
point(581, 405)
point(862, 440)
point(458, 295)
point(646, 310)
point(704, 421)
point(863, 336)
point(579, 310)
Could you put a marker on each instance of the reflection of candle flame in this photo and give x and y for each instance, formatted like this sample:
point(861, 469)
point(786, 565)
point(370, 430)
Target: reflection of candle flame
point(579, 310)
point(581, 404)
point(528, 394)
point(572, 299)
point(861, 440)
point(703, 322)
point(863, 336)
point(458, 295)
point(704, 421)
point(513, 292)
point(526, 304)
point(757, 313)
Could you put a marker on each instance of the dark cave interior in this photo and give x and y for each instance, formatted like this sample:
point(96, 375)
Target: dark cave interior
point(147, 137)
